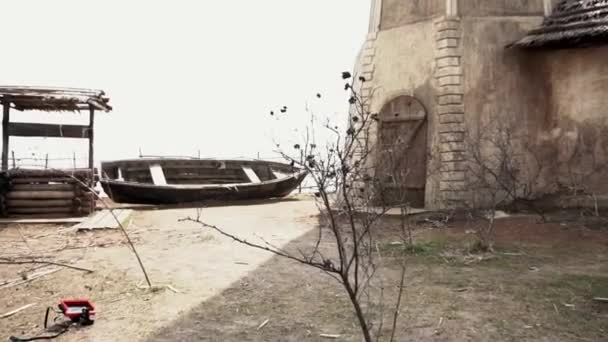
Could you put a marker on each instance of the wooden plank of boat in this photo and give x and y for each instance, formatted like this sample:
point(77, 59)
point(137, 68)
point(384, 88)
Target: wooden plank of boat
point(278, 175)
point(282, 178)
point(253, 177)
point(158, 176)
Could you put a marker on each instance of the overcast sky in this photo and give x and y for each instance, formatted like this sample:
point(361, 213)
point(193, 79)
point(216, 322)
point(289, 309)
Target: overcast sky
point(182, 75)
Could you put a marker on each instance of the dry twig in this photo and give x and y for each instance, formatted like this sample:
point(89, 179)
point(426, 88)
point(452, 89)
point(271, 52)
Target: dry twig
point(29, 278)
point(263, 324)
point(6, 261)
point(332, 336)
point(10, 313)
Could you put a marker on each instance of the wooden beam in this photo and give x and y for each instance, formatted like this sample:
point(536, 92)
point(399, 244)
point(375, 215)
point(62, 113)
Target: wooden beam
point(91, 136)
point(41, 210)
point(30, 195)
point(42, 187)
point(23, 129)
point(19, 203)
point(5, 134)
point(43, 180)
point(29, 173)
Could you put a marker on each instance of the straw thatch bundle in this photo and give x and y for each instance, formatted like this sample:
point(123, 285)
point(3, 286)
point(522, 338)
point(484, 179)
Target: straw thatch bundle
point(54, 99)
point(573, 23)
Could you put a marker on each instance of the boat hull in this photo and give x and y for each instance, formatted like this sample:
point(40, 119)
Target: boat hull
point(138, 193)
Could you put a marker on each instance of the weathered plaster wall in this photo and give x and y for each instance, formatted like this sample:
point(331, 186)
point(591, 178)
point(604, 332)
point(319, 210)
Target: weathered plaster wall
point(579, 121)
point(403, 65)
point(404, 61)
point(499, 82)
point(503, 87)
point(400, 12)
point(555, 99)
point(580, 83)
point(501, 7)
point(460, 70)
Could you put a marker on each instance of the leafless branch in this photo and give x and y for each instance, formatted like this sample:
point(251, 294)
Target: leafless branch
point(8, 261)
point(339, 171)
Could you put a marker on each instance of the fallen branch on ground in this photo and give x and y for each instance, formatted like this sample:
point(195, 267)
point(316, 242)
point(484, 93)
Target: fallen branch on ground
point(333, 336)
point(29, 278)
point(6, 261)
point(10, 313)
point(263, 324)
point(156, 288)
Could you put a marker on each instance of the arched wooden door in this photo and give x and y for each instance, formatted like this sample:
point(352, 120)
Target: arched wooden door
point(401, 166)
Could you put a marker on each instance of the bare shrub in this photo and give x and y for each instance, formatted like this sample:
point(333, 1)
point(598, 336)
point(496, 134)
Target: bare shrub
point(343, 177)
point(504, 171)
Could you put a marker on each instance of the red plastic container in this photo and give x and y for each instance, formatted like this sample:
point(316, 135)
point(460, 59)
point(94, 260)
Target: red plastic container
point(73, 309)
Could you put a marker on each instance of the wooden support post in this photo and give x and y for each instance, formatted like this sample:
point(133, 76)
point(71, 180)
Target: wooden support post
point(14, 161)
point(91, 140)
point(46, 161)
point(5, 121)
point(91, 137)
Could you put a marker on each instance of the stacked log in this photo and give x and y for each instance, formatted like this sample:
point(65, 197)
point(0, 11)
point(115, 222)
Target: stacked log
point(48, 193)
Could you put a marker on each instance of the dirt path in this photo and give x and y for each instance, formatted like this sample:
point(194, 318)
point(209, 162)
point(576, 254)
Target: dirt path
point(199, 263)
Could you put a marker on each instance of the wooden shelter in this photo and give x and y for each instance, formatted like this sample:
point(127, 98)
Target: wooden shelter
point(48, 192)
point(572, 24)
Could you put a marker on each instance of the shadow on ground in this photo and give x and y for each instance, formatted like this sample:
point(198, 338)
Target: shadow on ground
point(295, 299)
point(539, 286)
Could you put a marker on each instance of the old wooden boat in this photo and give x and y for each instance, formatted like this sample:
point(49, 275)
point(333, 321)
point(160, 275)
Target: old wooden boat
point(183, 180)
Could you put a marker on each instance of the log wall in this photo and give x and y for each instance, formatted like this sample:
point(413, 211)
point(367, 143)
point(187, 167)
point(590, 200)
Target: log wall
point(47, 193)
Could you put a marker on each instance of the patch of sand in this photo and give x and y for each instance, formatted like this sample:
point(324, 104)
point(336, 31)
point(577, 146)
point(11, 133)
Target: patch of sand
point(199, 263)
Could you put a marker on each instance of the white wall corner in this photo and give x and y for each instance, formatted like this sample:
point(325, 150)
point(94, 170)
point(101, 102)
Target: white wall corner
point(375, 16)
point(548, 6)
point(451, 8)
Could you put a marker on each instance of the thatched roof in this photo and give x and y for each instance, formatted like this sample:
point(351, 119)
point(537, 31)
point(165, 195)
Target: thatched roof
point(54, 99)
point(573, 23)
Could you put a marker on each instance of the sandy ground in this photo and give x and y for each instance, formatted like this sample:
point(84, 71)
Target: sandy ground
point(537, 287)
point(198, 263)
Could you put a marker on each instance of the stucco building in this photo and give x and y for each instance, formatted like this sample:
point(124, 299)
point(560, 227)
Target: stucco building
point(449, 67)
